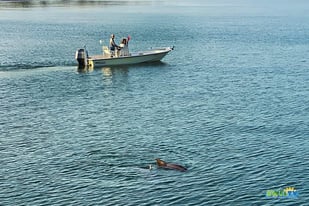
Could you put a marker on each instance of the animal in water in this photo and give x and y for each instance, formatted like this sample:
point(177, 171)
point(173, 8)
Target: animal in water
point(165, 165)
point(148, 167)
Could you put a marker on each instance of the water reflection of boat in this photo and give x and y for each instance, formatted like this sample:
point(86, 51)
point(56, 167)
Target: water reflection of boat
point(106, 59)
point(108, 70)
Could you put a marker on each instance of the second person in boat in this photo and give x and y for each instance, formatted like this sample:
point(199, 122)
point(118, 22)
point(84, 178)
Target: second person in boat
point(124, 47)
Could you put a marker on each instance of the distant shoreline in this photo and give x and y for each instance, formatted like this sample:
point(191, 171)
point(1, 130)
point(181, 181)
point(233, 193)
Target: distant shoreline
point(47, 3)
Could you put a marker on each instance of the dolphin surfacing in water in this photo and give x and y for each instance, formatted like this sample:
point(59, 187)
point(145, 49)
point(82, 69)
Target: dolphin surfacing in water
point(172, 166)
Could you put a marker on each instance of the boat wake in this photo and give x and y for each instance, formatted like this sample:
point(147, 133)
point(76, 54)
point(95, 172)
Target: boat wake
point(33, 65)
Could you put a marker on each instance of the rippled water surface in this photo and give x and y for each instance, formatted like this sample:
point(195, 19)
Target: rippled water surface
point(230, 103)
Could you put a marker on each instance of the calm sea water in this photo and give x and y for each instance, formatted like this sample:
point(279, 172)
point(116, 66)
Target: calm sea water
point(231, 103)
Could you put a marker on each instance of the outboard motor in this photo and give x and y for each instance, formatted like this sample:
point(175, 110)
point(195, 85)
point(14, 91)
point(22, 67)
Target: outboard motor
point(81, 56)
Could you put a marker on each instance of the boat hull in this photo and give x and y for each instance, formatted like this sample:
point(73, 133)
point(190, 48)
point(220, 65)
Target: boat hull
point(136, 58)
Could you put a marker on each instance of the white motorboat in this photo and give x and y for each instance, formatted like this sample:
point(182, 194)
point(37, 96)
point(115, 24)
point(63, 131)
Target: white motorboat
point(109, 58)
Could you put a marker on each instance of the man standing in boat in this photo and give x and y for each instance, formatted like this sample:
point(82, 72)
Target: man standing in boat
point(112, 45)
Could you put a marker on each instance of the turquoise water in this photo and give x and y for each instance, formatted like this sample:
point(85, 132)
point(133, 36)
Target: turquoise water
point(230, 103)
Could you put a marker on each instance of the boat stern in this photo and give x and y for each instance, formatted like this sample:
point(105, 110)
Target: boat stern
point(81, 56)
